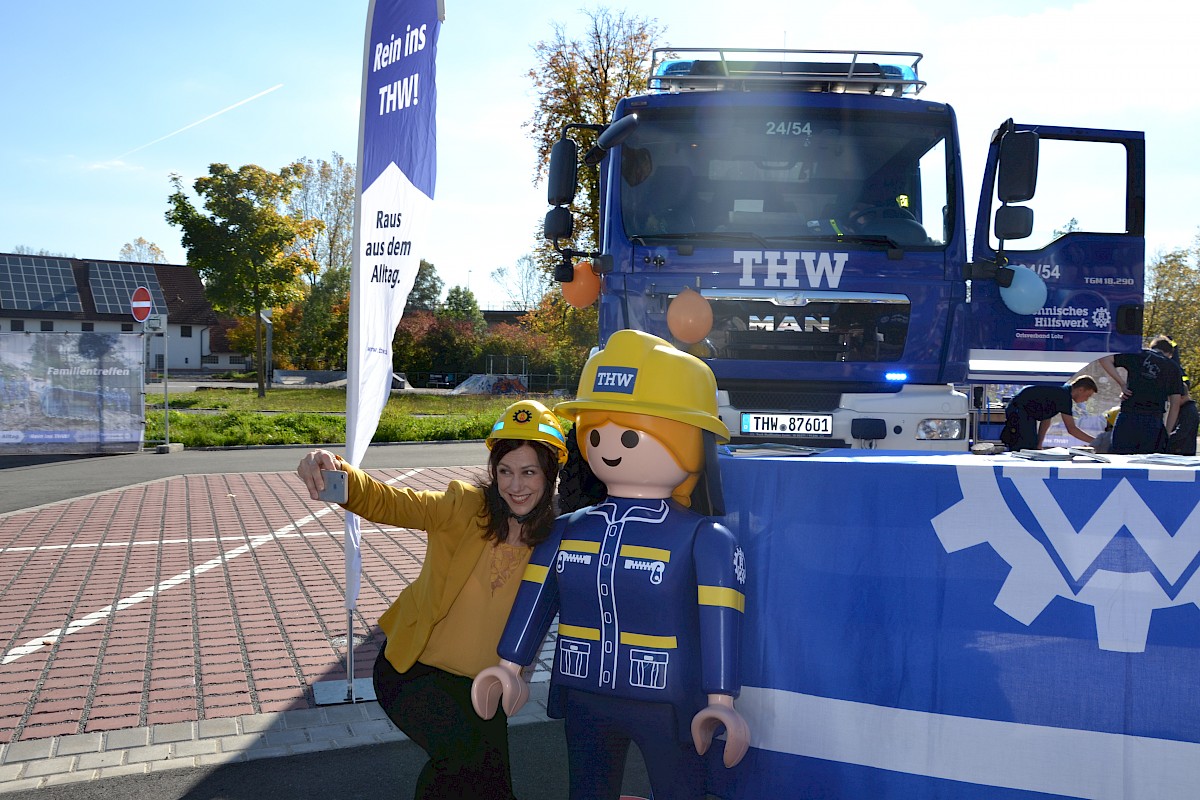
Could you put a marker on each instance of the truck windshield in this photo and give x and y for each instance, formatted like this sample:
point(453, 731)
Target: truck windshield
point(787, 173)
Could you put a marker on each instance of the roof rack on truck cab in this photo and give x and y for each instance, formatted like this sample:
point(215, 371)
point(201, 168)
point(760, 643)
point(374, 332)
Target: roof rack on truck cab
point(678, 69)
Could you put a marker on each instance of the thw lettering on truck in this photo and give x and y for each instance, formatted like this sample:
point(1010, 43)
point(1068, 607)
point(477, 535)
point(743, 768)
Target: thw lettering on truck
point(779, 267)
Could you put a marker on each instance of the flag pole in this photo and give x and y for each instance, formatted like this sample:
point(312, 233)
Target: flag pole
point(396, 172)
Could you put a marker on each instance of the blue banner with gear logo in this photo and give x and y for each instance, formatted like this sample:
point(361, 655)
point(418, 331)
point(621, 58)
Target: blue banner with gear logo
point(955, 626)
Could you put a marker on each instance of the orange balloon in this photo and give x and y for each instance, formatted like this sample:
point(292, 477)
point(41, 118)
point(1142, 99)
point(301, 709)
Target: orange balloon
point(584, 288)
point(689, 316)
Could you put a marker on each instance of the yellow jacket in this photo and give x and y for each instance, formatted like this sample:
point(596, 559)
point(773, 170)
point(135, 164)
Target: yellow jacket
point(455, 528)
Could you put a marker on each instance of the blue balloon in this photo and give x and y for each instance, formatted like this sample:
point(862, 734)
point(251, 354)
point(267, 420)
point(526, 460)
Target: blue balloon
point(1026, 294)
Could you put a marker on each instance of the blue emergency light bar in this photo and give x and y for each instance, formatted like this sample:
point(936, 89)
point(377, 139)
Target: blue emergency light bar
point(856, 71)
point(895, 377)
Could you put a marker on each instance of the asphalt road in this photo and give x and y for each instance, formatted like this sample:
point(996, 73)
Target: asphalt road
point(28, 481)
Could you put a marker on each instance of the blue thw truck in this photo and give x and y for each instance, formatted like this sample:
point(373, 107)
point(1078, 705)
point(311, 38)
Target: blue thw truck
point(817, 207)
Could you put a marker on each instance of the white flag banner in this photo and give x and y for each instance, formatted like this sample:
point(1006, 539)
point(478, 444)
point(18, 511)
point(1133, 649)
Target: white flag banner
point(397, 170)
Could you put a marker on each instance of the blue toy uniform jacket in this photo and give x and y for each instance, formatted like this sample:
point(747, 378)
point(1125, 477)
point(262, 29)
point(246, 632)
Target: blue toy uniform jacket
point(650, 597)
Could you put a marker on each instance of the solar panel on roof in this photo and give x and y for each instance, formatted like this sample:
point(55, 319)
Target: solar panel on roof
point(113, 283)
point(35, 283)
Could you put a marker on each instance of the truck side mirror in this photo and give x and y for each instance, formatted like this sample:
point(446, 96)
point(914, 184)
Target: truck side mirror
point(610, 137)
point(563, 178)
point(559, 224)
point(1017, 180)
point(1013, 222)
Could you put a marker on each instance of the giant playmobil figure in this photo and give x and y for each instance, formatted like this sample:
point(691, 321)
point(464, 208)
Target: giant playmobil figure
point(650, 594)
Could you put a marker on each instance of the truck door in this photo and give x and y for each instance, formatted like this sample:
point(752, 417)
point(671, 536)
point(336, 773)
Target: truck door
point(1087, 247)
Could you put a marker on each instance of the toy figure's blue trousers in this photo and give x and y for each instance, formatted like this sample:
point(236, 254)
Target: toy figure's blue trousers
point(599, 730)
point(468, 756)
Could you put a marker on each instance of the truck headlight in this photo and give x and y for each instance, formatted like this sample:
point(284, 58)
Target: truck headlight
point(942, 429)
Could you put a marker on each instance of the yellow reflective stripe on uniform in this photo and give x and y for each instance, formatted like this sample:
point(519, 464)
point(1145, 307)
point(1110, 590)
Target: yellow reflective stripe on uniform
point(643, 640)
point(579, 546)
point(535, 573)
point(833, 224)
point(648, 553)
point(721, 596)
point(579, 632)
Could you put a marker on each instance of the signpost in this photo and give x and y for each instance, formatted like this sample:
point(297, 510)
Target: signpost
point(140, 305)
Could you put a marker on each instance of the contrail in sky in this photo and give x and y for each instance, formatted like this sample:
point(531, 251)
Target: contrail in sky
point(197, 122)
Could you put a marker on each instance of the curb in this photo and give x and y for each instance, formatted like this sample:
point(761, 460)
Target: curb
point(57, 760)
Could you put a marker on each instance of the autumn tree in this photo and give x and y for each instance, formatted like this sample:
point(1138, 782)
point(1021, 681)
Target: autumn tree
point(313, 332)
point(26, 250)
point(510, 344)
point(524, 283)
point(426, 293)
point(1172, 297)
point(1071, 226)
point(455, 345)
point(580, 81)
point(142, 251)
point(462, 306)
point(570, 333)
point(410, 351)
point(326, 192)
point(241, 243)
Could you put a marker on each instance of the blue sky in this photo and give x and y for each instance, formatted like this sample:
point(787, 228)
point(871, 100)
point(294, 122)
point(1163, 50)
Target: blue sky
point(103, 101)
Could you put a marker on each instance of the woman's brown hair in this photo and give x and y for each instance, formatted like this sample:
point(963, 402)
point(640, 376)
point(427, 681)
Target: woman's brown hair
point(535, 526)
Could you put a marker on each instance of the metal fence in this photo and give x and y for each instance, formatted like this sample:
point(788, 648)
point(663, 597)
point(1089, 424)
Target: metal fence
point(545, 383)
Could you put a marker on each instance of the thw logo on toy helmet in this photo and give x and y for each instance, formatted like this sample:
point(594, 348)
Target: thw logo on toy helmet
point(615, 379)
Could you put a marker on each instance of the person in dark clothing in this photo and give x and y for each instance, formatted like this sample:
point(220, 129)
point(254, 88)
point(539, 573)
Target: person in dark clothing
point(1153, 382)
point(1182, 440)
point(1103, 441)
point(1028, 415)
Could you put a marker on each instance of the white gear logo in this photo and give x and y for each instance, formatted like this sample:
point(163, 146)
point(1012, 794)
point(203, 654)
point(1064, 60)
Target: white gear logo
point(739, 565)
point(1123, 601)
point(1101, 318)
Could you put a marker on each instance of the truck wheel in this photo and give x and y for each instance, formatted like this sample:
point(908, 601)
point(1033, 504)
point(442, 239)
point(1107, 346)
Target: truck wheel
point(578, 486)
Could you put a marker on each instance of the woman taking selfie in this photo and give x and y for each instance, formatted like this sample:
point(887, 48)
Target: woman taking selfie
point(443, 629)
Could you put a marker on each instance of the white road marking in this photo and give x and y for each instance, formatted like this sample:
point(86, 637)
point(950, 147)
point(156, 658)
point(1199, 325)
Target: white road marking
point(291, 530)
point(197, 540)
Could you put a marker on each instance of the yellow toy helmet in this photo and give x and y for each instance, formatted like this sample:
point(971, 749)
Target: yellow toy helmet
point(640, 373)
point(532, 421)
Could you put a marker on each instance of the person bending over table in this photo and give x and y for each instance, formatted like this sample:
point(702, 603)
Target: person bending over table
point(1030, 413)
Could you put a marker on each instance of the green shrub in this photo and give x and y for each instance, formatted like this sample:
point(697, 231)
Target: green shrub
point(237, 417)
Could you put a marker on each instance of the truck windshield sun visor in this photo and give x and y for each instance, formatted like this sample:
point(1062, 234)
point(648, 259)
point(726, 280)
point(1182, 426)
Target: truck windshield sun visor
point(787, 173)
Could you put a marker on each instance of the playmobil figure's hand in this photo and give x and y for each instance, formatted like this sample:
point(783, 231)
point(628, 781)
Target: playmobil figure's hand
point(500, 683)
point(720, 712)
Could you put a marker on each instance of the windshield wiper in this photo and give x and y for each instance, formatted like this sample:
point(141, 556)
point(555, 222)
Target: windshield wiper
point(721, 236)
point(857, 238)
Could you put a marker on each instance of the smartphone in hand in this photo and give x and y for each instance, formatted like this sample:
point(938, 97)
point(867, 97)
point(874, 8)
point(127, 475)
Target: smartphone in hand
point(335, 486)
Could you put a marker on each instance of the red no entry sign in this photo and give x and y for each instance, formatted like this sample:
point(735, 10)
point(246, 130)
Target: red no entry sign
point(140, 304)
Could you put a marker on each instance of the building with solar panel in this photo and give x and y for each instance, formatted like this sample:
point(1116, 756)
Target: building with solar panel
point(53, 294)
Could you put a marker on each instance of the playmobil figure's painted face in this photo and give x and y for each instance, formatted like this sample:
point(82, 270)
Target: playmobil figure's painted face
point(632, 463)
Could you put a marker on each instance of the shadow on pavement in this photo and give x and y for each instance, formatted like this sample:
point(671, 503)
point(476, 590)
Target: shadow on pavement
point(14, 461)
point(539, 761)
